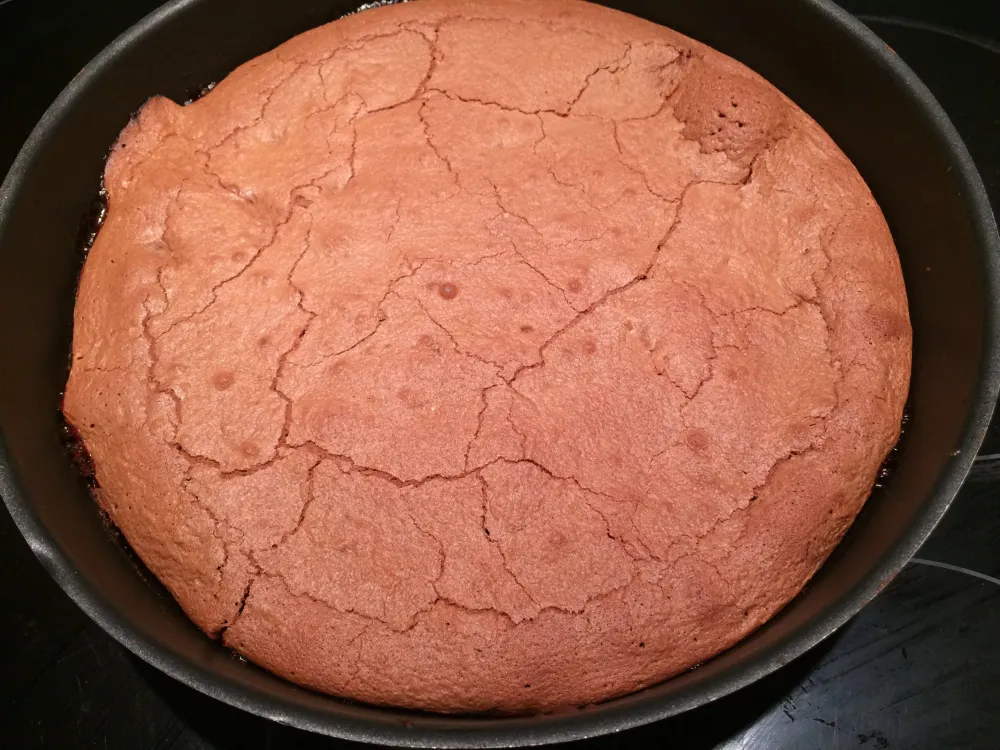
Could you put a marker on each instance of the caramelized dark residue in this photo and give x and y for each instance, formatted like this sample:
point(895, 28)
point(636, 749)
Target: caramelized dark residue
point(197, 93)
point(891, 462)
point(74, 446)
point(70, 437)
point(90, 224)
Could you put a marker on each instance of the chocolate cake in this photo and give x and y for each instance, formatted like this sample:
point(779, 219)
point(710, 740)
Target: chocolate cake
point(486, 355)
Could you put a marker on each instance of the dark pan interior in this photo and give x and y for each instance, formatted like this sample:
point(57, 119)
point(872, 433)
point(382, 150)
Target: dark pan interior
point(854, 86)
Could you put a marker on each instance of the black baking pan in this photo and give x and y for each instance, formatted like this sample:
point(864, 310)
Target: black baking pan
point(880, 114)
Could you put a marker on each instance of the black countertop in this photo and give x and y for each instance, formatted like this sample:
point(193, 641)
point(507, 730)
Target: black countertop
point(918, 668)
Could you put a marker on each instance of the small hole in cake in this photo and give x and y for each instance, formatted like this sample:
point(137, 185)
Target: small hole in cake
point(746, 612)
point(486, 531)
point(223, 380)
point(697, 439)
point(448, 290)
point(527, 329)
point(642, 644)
point(527, 684)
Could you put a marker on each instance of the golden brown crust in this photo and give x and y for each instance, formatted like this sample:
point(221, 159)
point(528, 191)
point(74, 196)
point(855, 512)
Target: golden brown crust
point(486, 382)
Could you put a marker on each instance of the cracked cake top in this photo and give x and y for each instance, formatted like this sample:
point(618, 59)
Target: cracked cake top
point(490, 355)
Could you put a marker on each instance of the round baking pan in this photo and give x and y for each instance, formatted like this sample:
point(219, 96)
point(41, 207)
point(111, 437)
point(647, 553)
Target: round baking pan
point(843, 75)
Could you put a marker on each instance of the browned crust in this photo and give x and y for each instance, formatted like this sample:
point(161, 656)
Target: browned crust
point(503, 381)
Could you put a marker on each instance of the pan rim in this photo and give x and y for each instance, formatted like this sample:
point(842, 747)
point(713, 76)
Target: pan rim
point(378, 725)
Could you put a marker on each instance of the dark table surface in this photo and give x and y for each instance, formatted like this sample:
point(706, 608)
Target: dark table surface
point(918, 668)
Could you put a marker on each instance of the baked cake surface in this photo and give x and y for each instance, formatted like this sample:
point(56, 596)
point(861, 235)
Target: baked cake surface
point(486, 355)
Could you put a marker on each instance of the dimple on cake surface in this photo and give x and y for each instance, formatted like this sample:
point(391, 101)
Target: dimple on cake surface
point(505, 381)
